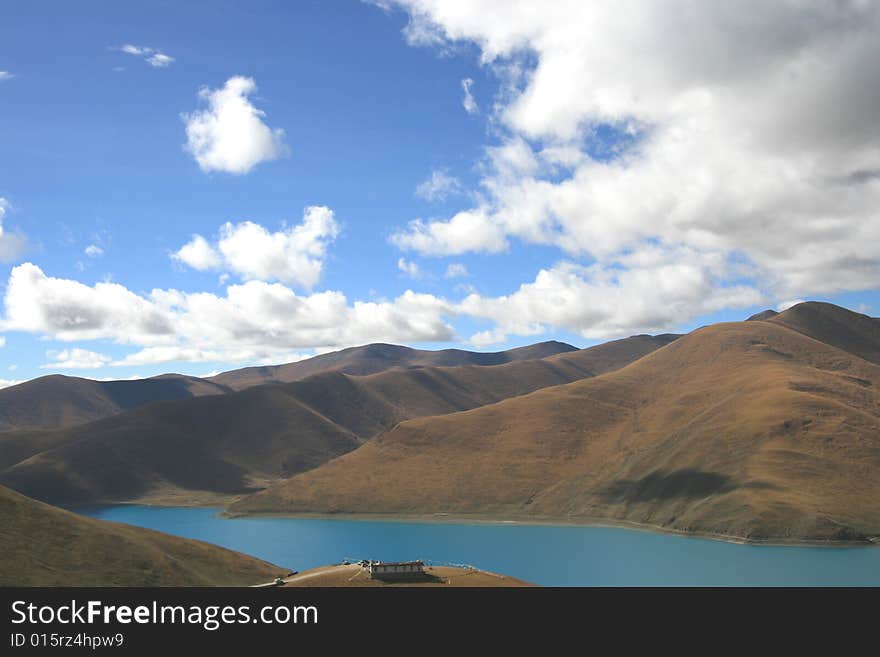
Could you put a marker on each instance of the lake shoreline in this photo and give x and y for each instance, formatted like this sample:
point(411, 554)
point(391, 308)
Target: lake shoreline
point(554, 522)
point(483, 519)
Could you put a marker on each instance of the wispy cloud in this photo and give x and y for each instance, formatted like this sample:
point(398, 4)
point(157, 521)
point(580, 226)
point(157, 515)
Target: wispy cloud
point(468, 102)
point(409, 268)
point(5, 75)
point(438, 186)
point(152, 56)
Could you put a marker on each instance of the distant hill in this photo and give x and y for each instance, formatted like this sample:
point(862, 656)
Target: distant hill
point(373, 358)
point(754, 430)
point(207, 449)
point(763, 315)
point(46, 546)
point(57, 401)
point(847, 330)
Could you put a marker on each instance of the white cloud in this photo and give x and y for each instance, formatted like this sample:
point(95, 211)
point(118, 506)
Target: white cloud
point(75, 359)
point(468, 102)
point(5, 383)
point(746, 130)
point(293, 255)
point(198, 254)
point(788, 303)
point(409, 268)
point(12, 245)
point(230, 134)
point(152, 56)
point(159, 60)
point(5, 75)
point(470, 230)
point(94, 251)
point(456, 270)
point(69, 310)
point(2, 341)
point(253, 321)
point(438, 186)
point(611, 301)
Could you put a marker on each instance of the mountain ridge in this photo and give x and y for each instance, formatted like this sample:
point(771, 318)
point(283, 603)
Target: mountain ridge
point(204, 449)
point(750, 430)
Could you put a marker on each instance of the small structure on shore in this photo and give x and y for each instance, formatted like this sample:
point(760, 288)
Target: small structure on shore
point(389, 570)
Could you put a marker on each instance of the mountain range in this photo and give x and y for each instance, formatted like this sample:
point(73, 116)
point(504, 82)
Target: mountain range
point(761, 430)
point(205, 449)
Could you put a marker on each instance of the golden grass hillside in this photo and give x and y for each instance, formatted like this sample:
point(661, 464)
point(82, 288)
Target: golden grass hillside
point(57, 401)
point(46, 546)
point(750, 430)
point(208, 449)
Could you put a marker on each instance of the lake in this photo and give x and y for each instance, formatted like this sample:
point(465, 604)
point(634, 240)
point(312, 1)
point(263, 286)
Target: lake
point(546, 555)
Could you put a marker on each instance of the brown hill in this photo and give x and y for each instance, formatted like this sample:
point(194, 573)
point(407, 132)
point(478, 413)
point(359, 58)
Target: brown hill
point(56, 401)
point(853, 332)
point(206, 449)
point(354, 576)
point(46, 546)
point(374, 358)
point(749, 430)
point(763, 315)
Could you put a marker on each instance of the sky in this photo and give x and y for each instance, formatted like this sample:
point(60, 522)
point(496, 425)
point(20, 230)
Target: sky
point(195, 187)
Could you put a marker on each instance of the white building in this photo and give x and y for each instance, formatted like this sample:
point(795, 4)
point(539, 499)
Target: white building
point(396, 569)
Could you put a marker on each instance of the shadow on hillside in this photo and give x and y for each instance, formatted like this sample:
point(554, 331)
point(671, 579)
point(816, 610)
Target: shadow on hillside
point(686, 483)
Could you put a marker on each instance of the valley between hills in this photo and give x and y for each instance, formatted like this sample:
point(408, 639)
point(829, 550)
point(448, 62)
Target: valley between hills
point(760, 430)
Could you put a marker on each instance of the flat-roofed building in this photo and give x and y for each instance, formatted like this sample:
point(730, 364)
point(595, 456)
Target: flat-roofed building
point(396, 569)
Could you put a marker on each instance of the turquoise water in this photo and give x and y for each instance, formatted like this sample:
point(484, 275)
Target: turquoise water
point(547, 555)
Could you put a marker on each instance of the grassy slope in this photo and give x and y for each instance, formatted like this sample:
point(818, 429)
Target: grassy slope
point(205, 449)
point(46, 546)
point(56, 401)
point(749, 429)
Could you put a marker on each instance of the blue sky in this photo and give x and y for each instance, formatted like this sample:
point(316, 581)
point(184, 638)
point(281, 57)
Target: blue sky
point(360, 106)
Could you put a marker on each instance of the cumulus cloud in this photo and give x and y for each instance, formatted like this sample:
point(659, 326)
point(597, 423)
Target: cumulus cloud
point(12, 245)
point(599, 301)
point(5, 383)
point(746, 130)
point(198, 254)
point(230, 134)
point(293, 255)
point(253, 320)
point(94, 251)
point(470, 230)
point(438, 186)
point(153, 57)
point(468, 102)
point(75, 359)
